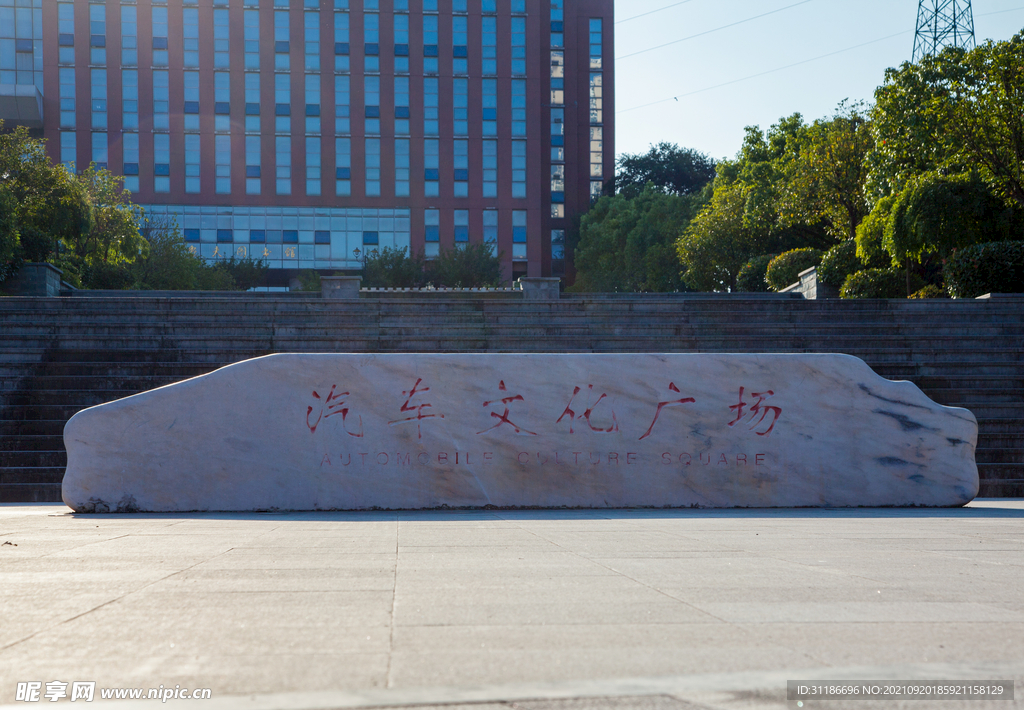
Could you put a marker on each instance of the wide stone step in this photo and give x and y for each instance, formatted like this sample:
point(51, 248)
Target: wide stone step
point(1004, 472)
point(69, 397)
point(1002, 489)
point(26, 442)
point(31, 475)
point(32, 427)
point(35, 459)
point(1000, 455)
point(30, 493)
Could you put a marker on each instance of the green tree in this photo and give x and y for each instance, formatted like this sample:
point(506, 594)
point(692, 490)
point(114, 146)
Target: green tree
point(952, 111)
point(718, 243)
point(469, 266)
point(669, 168)
point(628, 244)
point(828, 176)
point(170, 264)
point(936, 214)
point(393, 268)
point(41, 204)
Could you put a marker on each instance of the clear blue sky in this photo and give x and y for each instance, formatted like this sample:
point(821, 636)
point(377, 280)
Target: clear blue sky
point(713, 120)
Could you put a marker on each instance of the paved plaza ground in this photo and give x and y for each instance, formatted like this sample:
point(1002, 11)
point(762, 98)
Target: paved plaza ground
point(538, 610)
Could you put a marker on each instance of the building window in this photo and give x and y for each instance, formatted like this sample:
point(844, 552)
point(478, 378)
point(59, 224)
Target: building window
point(98, 79)
point(431, 167)
point(65, 29)
point(222, 101)
point(161, 100)
point(432, 233)
point(221, 39)
point(429, 41)
point(222, 151)
point(460, 42)
point(313, 163)
point(161, 162)
point(193, 156)
point(312, 41)
point(519, 169)
point(342, 122)
point(69, 149)
point(519, 235)
point(66, 77)
point(519, 46)
point(491, 230)
point(159, 36)
point(283, 161)
point(489, 42)
point(490, 107)
point(282, 103)
point(490, 168)
point(519, 107)
point(371, 98)
point(372, 167)
point(251, 29)
point(99, 149)
point(341, 41)
point(312, 104)
point(402, 105)
point(129, 36)
point(253, 163)
point(431, 125)
point(191, 108)
point(461, 228)
point(402, 168)
point(461, 163)
point(97, 35)
point(401, 40)
point(252, 102)
point(282, 45)
point(130, 156)
point(343, 176)
point(460, 87)
point(190, 36)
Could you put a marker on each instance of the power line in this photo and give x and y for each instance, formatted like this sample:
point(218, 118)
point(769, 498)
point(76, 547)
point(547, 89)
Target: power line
point(717, 29)
point(770, 71)
point(645, 14)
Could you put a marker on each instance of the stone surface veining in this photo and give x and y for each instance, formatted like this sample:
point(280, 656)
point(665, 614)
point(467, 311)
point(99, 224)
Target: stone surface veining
point(326, 432)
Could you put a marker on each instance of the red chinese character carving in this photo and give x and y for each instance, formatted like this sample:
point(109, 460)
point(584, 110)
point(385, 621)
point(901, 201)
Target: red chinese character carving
point(587, 414)
point(333, 405)
point(755, 409)
point(410, 407)
point(503, 418)
point(662, 405)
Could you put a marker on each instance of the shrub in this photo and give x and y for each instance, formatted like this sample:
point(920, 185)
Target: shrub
point(995, 267)
point(751, 278)
point(930, 291)
point(393, 268)
point(879, 283)
point(470, 266)
point(784, 270)
point(839, 262)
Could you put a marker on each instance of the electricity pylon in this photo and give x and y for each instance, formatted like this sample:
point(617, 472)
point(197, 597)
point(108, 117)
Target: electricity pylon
point(941, 24)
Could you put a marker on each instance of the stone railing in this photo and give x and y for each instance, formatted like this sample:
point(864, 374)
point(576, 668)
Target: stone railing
point(527, 288)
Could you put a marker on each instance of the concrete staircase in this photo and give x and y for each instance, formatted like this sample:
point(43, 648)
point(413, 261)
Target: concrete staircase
point(60, 355)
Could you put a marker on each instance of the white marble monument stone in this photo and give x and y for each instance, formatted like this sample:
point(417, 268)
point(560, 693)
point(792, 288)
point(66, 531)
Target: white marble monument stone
point(326, 432)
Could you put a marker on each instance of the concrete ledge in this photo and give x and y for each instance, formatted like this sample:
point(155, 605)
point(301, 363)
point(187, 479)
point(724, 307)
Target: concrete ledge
point(34, 280)
point(340, 287)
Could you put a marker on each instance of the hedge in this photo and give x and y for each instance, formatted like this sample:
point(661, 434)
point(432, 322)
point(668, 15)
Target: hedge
point(784, 270)
point(839, 262)
point(751, 278)
point(879, 283)
point(994, 267)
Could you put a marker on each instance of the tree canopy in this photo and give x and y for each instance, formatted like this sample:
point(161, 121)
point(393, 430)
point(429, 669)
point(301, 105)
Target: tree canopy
point(667, 167)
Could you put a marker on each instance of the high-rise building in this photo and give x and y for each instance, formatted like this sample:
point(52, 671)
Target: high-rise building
point(309, 132)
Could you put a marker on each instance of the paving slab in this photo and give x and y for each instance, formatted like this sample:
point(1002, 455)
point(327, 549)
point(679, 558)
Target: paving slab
point(536, 610)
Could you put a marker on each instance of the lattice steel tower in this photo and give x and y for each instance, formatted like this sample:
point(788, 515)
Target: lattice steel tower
point(941, 24)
